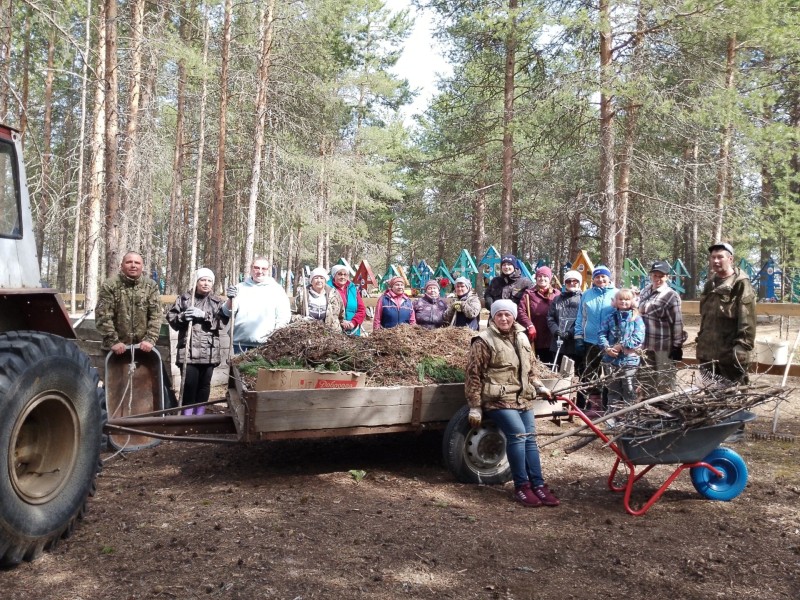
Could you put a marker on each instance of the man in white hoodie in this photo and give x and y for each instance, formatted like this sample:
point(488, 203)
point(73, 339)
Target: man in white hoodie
point(261, 307)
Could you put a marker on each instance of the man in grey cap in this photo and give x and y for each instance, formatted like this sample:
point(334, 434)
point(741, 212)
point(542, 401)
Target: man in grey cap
point(660, 307)
point(727, 318)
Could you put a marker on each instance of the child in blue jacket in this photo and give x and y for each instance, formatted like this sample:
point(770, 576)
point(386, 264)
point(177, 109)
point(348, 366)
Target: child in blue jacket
point(621, 336)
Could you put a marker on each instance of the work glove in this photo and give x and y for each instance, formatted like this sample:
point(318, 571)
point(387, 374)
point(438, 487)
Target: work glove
point(192, 313)
point(457, 306)
point(547, 393)
point(475, 417)
point(741, 355)
point(676, 354)
point(232, 292)
point(580, 347)
point(531, 334)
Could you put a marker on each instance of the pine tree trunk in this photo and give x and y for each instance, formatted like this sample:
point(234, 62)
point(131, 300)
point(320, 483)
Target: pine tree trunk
point(174, 245)
point(608, 212)
point(131, 146)
point(507, 200)
point(266, 33)
point(97, 169)
point(43, 203)
point(723, 162)
point(26, 62)
point(113, 233)
point(5, 54)
point(215, 237)
point(198, 179)
point(76, 231)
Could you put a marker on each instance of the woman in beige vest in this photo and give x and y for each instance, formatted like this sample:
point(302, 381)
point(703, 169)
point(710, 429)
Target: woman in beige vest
point(499, 383)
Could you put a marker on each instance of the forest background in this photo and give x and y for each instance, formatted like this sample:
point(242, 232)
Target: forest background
point(204, 132)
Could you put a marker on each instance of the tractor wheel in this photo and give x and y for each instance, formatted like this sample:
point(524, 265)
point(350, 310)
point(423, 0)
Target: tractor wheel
point(50, 439)
point(475, 455)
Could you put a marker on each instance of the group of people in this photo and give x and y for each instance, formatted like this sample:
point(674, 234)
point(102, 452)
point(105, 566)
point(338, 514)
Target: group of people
point(603, 328)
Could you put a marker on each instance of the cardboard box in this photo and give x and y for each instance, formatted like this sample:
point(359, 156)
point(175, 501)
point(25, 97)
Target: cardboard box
point(296, 379)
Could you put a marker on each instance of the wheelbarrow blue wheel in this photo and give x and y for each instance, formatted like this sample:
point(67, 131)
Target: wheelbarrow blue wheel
point(732, 482)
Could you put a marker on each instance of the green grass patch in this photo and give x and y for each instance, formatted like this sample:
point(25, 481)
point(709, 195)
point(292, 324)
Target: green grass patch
point(437, 369)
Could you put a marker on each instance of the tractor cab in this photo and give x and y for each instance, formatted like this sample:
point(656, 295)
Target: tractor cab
point(24, 303)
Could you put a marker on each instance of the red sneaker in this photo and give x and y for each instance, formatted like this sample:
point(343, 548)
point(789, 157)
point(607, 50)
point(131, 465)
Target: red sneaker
point(545, 496)
point(525, 496)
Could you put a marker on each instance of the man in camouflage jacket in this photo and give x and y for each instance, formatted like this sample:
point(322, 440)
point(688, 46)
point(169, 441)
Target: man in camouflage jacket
point(129, 308)
point(727, 333)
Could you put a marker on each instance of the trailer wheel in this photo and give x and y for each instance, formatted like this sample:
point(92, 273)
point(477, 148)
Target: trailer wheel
point(475, 455)
point(732, 482)
point(53, 414)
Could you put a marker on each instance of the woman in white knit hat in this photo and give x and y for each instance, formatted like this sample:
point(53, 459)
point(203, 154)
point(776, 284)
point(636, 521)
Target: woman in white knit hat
point(203, 311)
point(321, 302)
point(500, 385)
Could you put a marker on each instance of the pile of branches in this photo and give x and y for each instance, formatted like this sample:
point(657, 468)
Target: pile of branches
point(404, 355)
point(705, 401)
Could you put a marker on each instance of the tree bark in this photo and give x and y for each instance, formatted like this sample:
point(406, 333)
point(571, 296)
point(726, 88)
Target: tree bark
point(131, 145)
point(198, 179)
point(723, 162)
point(507, 200)
point(113, 233)
point(266, 35)
point(214, 251)
point(5, 54)
point(76, 231)
point(43, 204)
point(691, 155)
point(176, 228)
point(608, 212)
point(97, 169)
point(26, 62)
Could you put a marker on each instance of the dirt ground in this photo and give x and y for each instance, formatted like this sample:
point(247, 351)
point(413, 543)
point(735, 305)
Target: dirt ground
point(294, 520)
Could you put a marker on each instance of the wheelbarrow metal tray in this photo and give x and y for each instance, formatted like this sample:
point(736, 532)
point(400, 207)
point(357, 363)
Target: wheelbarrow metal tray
point(680, 446)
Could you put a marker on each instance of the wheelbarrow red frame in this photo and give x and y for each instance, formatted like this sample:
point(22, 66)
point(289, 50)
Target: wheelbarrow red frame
point(689, 448)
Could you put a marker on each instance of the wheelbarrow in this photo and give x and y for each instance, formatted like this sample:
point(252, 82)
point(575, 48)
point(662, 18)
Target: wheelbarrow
point(717, 473)
point(134, 382)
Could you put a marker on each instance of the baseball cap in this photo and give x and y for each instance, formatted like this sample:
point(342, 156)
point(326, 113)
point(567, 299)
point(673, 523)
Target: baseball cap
point(661, 266)
point(721, 246)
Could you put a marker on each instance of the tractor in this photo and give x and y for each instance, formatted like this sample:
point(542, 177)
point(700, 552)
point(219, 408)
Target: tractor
point(51, 401)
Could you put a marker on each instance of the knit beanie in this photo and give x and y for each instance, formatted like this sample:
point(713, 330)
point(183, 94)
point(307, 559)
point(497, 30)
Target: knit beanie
point(506, 305)
point(393, 280)
point(544, 270)
point(601, 270)
point(203, 272)
point(432, 283)
point(510, 259)
point(573, 275)
point(319, 272)
point(465, 281)
point(336, 268)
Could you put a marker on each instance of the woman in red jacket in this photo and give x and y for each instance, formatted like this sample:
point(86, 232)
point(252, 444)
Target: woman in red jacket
point(533, 308)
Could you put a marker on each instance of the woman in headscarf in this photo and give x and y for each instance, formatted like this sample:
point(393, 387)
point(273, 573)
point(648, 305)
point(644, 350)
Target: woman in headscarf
point(320, 301)
point(354, 309)
point(393, 307)
point(533, 309)
point(201, 310)
point(509, 285)
point(429, 310)
point(465, 310)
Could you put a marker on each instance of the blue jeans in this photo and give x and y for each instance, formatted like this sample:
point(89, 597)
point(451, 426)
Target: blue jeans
point(522, 452)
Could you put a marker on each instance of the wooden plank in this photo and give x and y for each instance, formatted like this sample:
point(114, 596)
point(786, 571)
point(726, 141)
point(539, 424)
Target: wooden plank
point(284, 400)
point(332, 418)
point(329, 433)
point(692, 307)
point(440, 402)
